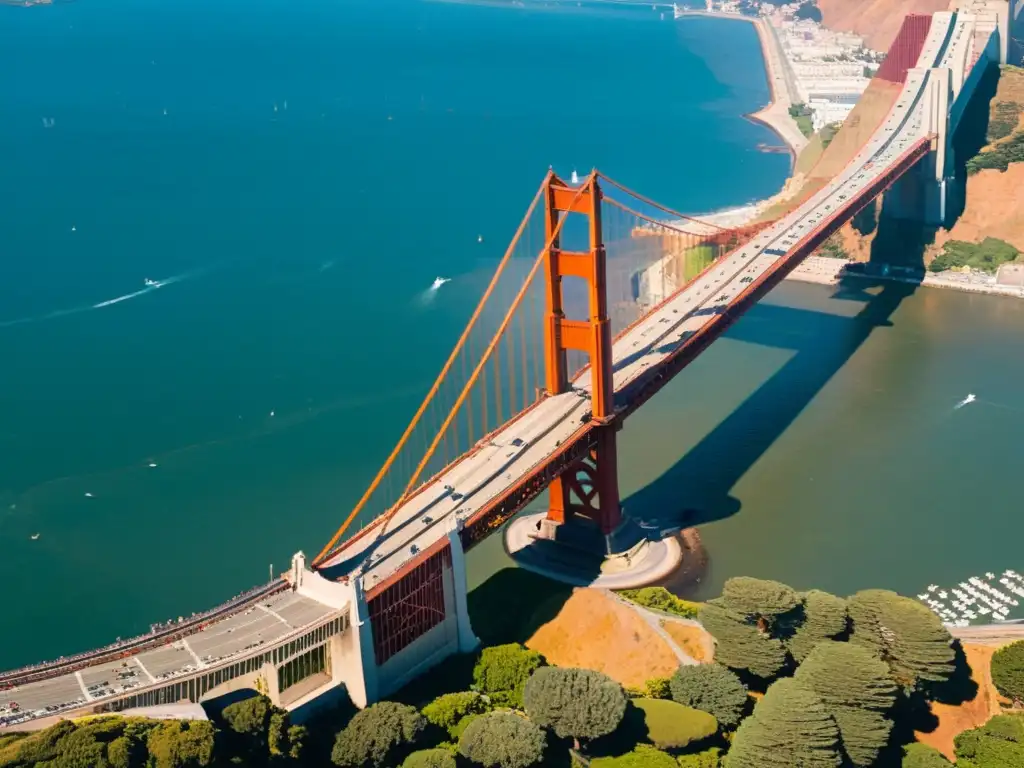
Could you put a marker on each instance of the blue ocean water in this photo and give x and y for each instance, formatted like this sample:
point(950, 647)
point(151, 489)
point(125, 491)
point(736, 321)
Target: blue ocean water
point(292, 175)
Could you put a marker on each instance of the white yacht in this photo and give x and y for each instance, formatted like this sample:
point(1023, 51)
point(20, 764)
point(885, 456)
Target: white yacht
point(438, 282)
point(151, 283)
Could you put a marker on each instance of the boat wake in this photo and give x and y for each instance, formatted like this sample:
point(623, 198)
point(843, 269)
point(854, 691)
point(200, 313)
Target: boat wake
point(149, 287)
point(966, 401)
point(428, 296)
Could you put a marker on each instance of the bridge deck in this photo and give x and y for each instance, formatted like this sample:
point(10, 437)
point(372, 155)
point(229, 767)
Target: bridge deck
point(257, 625)
point(496, 467)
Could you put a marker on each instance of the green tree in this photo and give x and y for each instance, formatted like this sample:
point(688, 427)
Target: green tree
point(858, 691)
point(825, 618)
point(905, 634)
point(378, 736)
point(257, 730)
point(1008, 671)
point(430, 758)
point(503, 740)
point(740, 644)
point(759, 598)
point(790, 727)
point(119, 753)
point(574, 703)
point(999, 743)
point(181, 744)
point(447, 710)
point(504, 669)
point(919, 755)
point(711, 688)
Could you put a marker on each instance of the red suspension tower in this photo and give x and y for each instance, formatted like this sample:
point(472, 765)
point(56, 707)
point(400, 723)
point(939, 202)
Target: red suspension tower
point(590, 487)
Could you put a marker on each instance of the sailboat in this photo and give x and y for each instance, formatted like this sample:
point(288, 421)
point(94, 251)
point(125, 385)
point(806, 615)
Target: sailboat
point(575, 177)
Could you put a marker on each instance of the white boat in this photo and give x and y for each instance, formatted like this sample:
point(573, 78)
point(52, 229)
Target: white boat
point(151, 283)
point(438, 282)
point(575, 177)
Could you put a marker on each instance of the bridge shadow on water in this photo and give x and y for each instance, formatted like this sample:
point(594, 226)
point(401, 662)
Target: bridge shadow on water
point(697, 489)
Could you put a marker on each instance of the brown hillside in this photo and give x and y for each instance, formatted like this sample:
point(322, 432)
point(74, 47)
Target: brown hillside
point(955, 719)
point(995, 199)
point(877, 21)
point(597, 632)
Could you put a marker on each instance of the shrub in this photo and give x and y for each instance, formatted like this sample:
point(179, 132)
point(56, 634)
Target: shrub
point(657, 688)
point(987, 255)
point(825, 618)
point(709, 758)
point(857, 690)
point(643, 756)
point(790, 727)
point(672, 726)
point(918, 755)
point(660, 599)
point(1008, 671)
point(502, 740)
point(378, 736)
point(739, 644)
point(574, 703)
point(909, 636)
point(999, 743)
point(505, 669)
point(999, 156)
point(711, 688)
point(447, 710)
point(430, 758)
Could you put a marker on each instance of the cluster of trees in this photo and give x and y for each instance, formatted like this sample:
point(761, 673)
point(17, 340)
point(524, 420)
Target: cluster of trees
point(252, 732)
point(833, 669)
point(522, 711)
point(999, 156)
point(801, 114)
point(986, 255)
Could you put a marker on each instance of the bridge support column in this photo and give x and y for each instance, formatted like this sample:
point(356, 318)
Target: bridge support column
point(468, 641)
point(594, 481)
point(927, 193)
point(589, 489)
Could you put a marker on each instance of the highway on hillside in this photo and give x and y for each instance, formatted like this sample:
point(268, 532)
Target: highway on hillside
point(495, 467)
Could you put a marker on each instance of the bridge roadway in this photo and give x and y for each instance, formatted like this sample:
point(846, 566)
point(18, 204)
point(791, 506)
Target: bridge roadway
point(253, 628)
point(496, 466)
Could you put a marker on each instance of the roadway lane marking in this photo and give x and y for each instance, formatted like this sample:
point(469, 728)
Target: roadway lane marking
point(145, 671)
point(187, 647)
point(81, 684)
point(275, 614)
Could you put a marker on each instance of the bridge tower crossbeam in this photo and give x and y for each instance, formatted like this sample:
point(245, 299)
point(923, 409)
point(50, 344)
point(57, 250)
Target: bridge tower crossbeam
point(589, 487)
